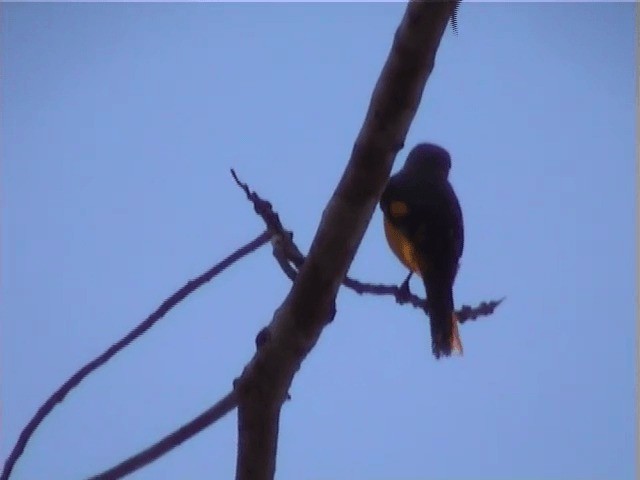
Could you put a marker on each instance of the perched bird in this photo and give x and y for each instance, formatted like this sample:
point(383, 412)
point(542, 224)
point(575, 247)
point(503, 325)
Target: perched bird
point(424, 228)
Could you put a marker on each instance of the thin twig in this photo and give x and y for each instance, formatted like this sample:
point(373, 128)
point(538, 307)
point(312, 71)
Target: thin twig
point(464, 313)
point(287, 252)
point(202, 421)
point(59, 395)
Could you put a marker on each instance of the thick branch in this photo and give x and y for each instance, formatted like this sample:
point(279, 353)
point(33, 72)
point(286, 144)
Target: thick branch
point(298, 322)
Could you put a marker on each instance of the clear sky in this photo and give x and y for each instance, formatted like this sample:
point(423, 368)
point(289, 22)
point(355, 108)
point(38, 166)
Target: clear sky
point(119, 125)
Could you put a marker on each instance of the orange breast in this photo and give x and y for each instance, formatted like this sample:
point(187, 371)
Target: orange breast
point(402, 247)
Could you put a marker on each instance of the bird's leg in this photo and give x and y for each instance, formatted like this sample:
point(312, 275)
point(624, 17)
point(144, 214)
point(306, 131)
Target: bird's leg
point(405, 284)
point(404, 292)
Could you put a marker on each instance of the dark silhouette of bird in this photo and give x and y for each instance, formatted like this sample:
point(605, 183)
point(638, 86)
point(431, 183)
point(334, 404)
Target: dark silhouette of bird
point(424, 228)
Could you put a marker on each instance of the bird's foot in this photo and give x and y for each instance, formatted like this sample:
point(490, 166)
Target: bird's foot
point(403, 295)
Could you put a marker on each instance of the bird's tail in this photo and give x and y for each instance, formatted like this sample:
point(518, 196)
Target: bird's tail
point(445, 338)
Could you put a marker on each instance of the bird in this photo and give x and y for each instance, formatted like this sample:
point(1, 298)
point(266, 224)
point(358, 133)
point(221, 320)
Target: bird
point(424, 228)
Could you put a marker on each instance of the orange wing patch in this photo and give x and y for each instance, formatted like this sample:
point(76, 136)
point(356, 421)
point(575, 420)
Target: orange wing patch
point(398, 209)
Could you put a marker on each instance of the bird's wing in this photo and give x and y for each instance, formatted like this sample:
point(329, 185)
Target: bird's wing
point(436, 206)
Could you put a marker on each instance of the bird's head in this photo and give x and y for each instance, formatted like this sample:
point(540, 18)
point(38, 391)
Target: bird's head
point(429, 159)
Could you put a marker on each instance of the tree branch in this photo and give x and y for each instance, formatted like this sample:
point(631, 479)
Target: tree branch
point(202, 421)
point(298, 322)
point(287, 252)
point(59, 395)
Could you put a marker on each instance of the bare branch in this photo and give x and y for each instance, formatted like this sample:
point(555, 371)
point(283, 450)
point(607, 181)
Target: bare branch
point(287, 253)
point(219, 410)
point(464, 313)
point(298, 322)
point(59, 395)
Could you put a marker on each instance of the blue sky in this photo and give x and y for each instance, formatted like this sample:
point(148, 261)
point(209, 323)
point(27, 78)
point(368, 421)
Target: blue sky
point(119, 126)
